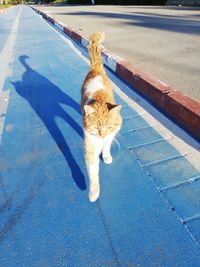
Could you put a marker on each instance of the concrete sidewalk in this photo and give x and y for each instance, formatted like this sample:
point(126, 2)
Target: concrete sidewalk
point(148, 211)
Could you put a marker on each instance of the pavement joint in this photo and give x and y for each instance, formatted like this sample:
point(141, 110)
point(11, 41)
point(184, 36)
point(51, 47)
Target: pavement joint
point(165, 160)
point(191, 219)
point(151, 143)
point(177, 185)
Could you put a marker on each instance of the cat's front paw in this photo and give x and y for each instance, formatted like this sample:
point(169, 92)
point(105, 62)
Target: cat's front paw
point(94, 193)
point(107, 160)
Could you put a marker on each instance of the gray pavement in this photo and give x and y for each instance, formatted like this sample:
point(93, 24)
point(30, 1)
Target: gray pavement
point(162, 41)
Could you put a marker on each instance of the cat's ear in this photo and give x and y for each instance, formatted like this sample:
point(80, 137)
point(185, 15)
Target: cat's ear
point(114, 108)
point(89, 109)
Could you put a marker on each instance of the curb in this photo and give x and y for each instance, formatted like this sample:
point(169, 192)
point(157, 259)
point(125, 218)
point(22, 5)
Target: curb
point(180, 107)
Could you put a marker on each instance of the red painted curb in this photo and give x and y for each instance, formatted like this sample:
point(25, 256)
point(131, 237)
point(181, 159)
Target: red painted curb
point(182, 108)
point(76, 36)
point(185, 110)
point(67, 30)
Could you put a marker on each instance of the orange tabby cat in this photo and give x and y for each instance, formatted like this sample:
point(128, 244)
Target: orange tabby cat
point(101, 116)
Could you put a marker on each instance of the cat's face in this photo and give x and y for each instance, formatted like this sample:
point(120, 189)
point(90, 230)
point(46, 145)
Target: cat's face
point(102, 120)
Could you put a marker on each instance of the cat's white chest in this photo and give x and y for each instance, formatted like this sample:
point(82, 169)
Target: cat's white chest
point(97, 141)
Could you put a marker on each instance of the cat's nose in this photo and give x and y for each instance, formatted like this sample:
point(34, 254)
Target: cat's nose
point(102, 133)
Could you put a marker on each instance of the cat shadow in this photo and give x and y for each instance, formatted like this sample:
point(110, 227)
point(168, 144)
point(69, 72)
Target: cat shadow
point(45, 99)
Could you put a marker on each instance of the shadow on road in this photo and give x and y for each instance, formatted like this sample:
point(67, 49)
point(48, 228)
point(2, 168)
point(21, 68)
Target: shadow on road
point(45, 99)
point(149, 20)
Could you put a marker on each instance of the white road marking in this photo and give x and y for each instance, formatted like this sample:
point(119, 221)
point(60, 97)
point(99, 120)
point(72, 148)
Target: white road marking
point(4, 99)
point(5, 70)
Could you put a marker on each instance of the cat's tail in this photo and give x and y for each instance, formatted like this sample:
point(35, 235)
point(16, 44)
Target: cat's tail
point(95, 50)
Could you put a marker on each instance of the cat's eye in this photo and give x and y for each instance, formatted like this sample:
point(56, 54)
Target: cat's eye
point(109, 127)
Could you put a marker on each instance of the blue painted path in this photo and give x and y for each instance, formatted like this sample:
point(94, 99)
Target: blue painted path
point(148, 211)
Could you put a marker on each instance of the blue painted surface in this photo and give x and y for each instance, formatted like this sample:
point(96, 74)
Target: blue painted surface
point(46, 218)
point(186, 199)
point(154, 152)
point(141, 137)
point(133, 123)
point(172, 171)
point(194, 227)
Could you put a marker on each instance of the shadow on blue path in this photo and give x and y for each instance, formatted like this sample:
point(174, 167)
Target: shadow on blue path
point(45, 99)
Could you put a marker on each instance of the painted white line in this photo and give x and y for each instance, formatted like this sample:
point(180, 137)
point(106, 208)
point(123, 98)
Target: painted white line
point(84, 42)
point(6, 54)
point(5, 70)
point(4, 99)
point(59, 25)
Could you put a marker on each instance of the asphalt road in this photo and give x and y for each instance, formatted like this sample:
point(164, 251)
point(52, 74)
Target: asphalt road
point(162, 41)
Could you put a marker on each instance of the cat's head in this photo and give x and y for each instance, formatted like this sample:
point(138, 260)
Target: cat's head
point(102, 119)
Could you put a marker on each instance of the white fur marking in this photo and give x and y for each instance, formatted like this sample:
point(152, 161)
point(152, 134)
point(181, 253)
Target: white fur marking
point(88, 100)
point(94, 85)
point(98, 141)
